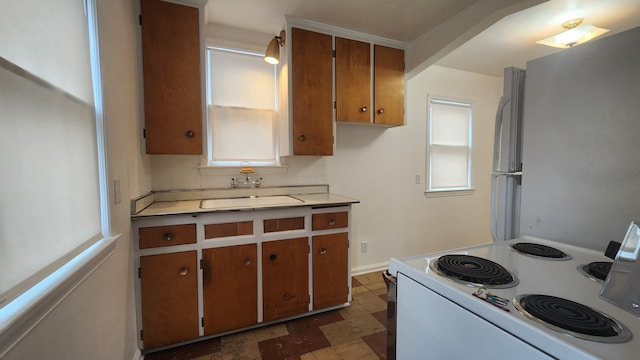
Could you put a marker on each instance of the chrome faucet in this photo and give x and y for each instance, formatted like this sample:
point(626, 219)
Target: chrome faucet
point(247, 179)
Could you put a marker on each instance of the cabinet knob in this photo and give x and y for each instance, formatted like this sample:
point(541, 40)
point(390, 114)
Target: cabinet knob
point(184, 271)
point(167, 236)
point(302, 137)
point(273, 257)
point(363, 109)
point(247, 261)
point(381, 111)
point(323, 251)
point(190, 133)
point(332, 221)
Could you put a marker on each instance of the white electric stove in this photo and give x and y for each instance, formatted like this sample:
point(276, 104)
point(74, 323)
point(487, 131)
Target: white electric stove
point(526, 307)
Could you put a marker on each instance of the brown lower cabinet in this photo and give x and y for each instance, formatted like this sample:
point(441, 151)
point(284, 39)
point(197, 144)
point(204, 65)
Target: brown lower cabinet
point(230, 282)
point(285, 278)
point(169, 298)
point(330, 270)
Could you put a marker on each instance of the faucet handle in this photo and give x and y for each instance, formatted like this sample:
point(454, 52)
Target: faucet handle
point(257, 182)
point(234, 182)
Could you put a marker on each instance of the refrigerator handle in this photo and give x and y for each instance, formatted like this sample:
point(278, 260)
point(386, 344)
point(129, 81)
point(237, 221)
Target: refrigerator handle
point(496, 138)
point(494, 219)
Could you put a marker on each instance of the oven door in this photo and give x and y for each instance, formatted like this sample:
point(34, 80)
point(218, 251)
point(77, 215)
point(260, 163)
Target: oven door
point(430, 326)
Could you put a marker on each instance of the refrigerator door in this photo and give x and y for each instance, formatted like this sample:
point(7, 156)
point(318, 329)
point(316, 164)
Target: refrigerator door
point(506, 177)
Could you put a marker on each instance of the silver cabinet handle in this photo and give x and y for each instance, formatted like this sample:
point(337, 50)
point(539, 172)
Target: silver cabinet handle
point(323, 251)
point(247, 261)
point(190, 133)
point(363, 109)
point(381, 111)
point(332, 221)
point(167, 236)
point(302, 137)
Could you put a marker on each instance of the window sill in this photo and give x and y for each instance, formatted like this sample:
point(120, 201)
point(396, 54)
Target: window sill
point(443, 193)
point(235, 170)
point(20, 316)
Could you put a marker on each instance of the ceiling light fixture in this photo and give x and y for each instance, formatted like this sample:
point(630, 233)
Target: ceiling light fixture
point(577, 33)
point(272, 55)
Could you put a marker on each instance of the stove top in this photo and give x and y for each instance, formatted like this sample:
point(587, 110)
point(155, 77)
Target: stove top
point(533, 275)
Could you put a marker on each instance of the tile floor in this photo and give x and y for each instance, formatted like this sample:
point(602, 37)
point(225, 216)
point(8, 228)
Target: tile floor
point(354, 332)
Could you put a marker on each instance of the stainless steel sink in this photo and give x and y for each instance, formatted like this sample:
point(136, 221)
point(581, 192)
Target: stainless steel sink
point(248, 202)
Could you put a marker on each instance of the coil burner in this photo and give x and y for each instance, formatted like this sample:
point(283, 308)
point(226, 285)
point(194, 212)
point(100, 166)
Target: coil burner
point(539, 251)
point(597, 270)
point(474, 271)
point(571, 318)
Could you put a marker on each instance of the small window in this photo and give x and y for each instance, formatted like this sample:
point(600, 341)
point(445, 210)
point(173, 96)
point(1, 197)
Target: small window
point(241, 99)
point(448, 146)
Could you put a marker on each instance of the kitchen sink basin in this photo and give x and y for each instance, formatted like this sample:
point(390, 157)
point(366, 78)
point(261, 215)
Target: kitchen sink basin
point(248, 202)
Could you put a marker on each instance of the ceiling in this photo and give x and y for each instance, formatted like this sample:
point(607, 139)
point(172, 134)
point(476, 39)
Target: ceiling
point(469, 35)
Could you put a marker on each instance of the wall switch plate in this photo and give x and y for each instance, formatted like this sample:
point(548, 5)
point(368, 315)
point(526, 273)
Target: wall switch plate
point(363, 247)
point(417, 178)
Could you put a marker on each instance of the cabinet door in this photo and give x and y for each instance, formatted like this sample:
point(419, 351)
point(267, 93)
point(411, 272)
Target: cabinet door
point(171, 71)
point(230, 288)
point(312, 81)
point(285, 278)
point(169, 298)
point(389, 85)
point(353, 81)
point(330, 270)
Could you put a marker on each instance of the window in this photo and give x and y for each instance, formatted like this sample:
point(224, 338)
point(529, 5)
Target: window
point(448, 146)
point(53, 202)
point(241, 99)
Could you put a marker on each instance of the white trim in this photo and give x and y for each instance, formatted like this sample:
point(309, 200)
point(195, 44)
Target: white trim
point(443, 193)
point(24, 313)
point(137, 355)
point(365, 269)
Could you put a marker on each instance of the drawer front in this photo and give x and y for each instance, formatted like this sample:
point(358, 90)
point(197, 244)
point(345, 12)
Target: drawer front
point(159, 236)
point(213, 231)
point(285, 224)
point(326, 221)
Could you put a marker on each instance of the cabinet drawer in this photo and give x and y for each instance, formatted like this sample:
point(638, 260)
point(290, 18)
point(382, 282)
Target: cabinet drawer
point(212, 231)
point(275, 225)
point(330, 220)
point(158, 236)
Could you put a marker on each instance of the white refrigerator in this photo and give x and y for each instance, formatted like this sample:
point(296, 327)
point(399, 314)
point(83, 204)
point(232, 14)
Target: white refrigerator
point(506, 176)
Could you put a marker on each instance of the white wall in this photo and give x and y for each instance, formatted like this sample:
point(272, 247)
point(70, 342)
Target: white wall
point(581, 180)
point(97, 321)
point(378, 166)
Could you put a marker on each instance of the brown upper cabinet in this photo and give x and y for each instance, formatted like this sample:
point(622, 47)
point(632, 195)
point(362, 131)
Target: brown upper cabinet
point(354, 83)
point(311, 92)
point(172, 79)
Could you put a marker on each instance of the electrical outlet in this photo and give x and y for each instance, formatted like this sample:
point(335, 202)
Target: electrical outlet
point(363, 247)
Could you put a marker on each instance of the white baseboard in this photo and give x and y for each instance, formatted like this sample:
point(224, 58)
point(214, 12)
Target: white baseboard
point(365, 269)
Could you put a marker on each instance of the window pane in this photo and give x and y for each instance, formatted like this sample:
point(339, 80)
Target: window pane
point(243, 134)
point(449, 167)
point(50, 198)
point(449, 145)
point(449, 124)
point(241, 80)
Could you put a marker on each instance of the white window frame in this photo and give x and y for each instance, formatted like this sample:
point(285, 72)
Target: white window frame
point(430, 191)
point(212, 164)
